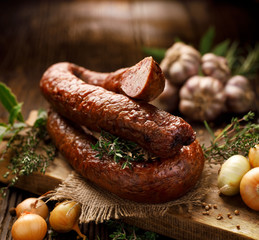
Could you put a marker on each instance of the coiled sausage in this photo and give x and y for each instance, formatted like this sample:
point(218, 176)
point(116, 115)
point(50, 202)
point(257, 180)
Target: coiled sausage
point(147, 182)
point(161, 133)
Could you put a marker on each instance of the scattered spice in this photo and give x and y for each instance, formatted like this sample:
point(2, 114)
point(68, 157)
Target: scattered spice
point(238, 227)
point(206, 213)
point(207, 207)
point(236, 212)
point(219, 217)
point(215, 206)
point(229, 215)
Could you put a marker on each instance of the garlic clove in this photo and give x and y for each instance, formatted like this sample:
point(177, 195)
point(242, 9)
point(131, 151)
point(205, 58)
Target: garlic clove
point(181, 62)
point(240, 95)
point(215, 66)
point(202, 98)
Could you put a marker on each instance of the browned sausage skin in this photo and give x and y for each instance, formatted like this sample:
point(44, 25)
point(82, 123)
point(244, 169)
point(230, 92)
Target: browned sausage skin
point(148, 182)
point(143, 81)
point(98, 109)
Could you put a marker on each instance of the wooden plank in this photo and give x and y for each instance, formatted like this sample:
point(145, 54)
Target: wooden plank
point(195, 225)
point(178, 225)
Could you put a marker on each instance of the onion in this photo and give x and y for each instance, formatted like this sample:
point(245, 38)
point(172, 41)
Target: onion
point(32, 205)
point(65, 216)
point(231, 173)
point(29, 226)
point(249, 188)
point(254, 156)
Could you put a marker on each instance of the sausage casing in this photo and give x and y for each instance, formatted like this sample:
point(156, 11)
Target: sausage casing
point(98, 109)
point(147, 182)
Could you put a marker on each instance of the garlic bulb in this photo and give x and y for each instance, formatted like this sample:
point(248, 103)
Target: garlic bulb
point(240, 95)
point(202, 98)
point(168, 99)
point(181, 62)
point(215, 66)
point(231, 173)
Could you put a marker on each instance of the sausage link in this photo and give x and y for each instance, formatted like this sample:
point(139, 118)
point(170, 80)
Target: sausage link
point(143, 81)
point(98, 109)
point(147, 182)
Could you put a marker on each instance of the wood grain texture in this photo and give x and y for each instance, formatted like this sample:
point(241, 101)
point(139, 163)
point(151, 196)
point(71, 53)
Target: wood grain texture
point(175, 224)
point(104, 36)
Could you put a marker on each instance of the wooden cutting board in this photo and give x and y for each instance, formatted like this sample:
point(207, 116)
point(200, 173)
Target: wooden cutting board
point(175, 224)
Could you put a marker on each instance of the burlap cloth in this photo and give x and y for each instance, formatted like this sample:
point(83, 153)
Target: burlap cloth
point(99, 205)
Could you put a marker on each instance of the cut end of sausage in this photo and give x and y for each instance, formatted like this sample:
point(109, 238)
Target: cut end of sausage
point(144, 80)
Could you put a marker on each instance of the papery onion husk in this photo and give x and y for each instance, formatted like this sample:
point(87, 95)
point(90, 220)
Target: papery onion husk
point(29, 226)
point(249, 188)
point(32, 205)
point(65, 216)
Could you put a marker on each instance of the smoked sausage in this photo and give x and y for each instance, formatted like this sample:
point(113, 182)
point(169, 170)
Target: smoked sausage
point(144, 81)
point(147, 182)
point(161, 133)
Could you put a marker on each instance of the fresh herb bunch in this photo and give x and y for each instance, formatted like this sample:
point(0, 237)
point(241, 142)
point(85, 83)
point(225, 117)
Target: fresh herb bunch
point(127, 232)
point(28, 147)
point(236, 138)
point(120, 149)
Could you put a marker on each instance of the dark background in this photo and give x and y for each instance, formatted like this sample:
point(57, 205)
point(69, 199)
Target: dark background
point(103, 36)
point(106, 35)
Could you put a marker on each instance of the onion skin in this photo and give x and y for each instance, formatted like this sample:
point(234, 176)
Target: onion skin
point(64, 217)
point(253, 156)
point(249, 189)
point(32, 205)
point(231, 173)
point(29, 226)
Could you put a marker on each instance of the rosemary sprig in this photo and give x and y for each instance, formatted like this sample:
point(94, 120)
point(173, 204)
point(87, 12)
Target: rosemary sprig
point(235, 138)
point(121, 150)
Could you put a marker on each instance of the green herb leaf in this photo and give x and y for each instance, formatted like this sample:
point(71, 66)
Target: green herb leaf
point(235, 138)
point(221, 48)
point(3, 130)
point(8, 99)
point(157, 53)
point(207, 41)
point(249, 65)
point(26, 158)
point(231, 56)
point(41, 118)
point(209, 129)
point(120, 149)
point(15, 111)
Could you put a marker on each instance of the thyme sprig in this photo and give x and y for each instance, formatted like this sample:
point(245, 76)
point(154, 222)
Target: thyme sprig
point(30, 150)
point(236, 138)
point(121, 230)
point(28, 147)
point(121, 150)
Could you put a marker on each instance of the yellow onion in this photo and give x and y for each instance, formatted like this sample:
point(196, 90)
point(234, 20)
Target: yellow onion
point(253, 156)
point(65, 216)
point(231, 173)
point(249, 188)
point(32, 205)
point(29, 226)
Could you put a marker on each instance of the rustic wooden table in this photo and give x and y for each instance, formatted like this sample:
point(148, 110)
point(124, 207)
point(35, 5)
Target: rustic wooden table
point(102, 36)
